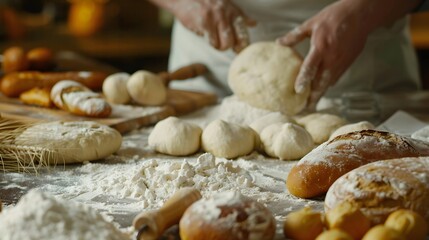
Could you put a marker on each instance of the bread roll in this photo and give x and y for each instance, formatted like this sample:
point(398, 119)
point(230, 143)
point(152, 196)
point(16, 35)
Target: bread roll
point(382, 187)
point(314, 173)
point(37, 96)
point(80, 100)
point(227, 216)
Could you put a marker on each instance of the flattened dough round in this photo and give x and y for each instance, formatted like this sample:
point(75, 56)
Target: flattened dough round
point(74, 141)
point(263, 75)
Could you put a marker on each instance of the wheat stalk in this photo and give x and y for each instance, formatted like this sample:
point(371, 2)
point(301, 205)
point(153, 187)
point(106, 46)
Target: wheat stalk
point(21, 158)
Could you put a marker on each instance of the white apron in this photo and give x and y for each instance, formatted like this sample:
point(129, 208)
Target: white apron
point(387, 63)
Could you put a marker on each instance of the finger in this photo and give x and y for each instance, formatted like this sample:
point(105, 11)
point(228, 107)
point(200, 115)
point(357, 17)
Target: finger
point(319, 88)
point(212, 32)
point(248, 21)
point(241, 34)
point(308, 71)
point(226, 36)
point(295, 36)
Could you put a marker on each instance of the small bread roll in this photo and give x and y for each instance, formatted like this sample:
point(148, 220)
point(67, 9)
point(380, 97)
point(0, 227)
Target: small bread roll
point(147, 88)
point(381, 232)
point(115, 88)
point(349, 218)
point(274, 117)
point(227, 216)
point(334, 234)
point(304, 224)
point(408, 223)
point(175, 137)
point(14, 59)
point(321, 125)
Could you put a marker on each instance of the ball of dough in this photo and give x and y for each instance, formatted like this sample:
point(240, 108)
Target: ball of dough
point(263, 75)
point(409, 223)
point(227, 216)
point(275, 117)
point(175, 137)
point(72, 142)
point(228, 140)
point(321, 125)
point(352, 127)
point(115, 88)
point(286, 141)
point(304, 224)
point(381, 232)
point(147, 88)
point(334, 234)
point(349, 218)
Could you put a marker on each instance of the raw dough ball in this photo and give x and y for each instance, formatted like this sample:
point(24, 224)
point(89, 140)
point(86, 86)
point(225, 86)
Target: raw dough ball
point(115, 88)
point(334, 234)
point(422, 134)
point(352, 127)
point(381, 232)
point(175, 137)
point(264, 74)
point(349, 218)
point(147, 88)
point(275, 117)
point(408, 223)
point(228, 140)
point(304, 224)
point(227, 216)
point(321, 125)
point(72, 142)
point(286, 141)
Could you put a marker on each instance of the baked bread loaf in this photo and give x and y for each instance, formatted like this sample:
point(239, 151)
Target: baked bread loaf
point(37, 96)
point(15, 83)
point(382, 187)
point(317, 171)
point(75, 98)
point(227, 216)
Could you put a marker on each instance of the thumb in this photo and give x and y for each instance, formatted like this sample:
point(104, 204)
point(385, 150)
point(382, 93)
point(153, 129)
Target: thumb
point(293, 37)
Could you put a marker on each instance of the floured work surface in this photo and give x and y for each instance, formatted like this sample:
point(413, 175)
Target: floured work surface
point(124, 118)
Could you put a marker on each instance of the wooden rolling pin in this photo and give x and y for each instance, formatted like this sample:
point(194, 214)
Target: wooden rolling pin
point(183, 73)
point(152, 224)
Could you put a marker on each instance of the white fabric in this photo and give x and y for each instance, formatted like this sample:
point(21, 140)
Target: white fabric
point(387, 63)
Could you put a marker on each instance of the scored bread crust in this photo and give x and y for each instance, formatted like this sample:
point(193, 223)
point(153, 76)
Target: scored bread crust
point(317, 171)
point(382, 187)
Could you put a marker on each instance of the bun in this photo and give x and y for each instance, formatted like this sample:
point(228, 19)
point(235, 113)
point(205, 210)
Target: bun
point(383, 187)
point(37, 96)
point(13, 84)
point(80, 100)
point(14, 59)
point(317, 171)
point(227, 216)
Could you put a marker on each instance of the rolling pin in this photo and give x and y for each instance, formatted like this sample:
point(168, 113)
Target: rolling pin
point(152, 224)
point(183, 73)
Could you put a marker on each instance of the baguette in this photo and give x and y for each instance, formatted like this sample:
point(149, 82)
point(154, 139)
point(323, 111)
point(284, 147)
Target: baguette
point(77, 99)
point(13, 84)
point(317, 171)
point(383, 187)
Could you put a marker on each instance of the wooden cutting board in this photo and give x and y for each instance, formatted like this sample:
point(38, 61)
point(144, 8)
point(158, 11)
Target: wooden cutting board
point(124, 118)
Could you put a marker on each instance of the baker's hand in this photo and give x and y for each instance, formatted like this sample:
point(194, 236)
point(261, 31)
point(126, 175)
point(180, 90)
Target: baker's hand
point(338, 35)
point(223, 22)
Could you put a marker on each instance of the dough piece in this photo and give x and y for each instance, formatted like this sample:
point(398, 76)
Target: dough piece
point(175, 137)
point(349, 218)
point(334, 234)
point(383, 187)
point(304, 224)
point(115, 88)
point(321, 125)
point(147, 88)
point(352, 127)
point(275, 117)
point(228, 140)
point(381, 232)
point(286, 141)
point(410, 224)
point(72, 142)
point(421, 134)
point(227, 216)
point(263, 75)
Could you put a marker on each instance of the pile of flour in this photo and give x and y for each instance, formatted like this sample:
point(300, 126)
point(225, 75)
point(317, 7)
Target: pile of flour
point(41, 216)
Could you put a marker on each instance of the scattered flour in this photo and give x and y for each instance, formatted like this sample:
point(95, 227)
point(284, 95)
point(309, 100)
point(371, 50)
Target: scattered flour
point(41, 216)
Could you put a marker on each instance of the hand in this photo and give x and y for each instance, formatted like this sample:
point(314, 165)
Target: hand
point(338, 34)
point(225, 24)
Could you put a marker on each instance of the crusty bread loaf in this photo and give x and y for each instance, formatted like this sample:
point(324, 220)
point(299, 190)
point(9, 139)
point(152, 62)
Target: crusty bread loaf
point(317, 171)
point(80, 100)
point(382, 187)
